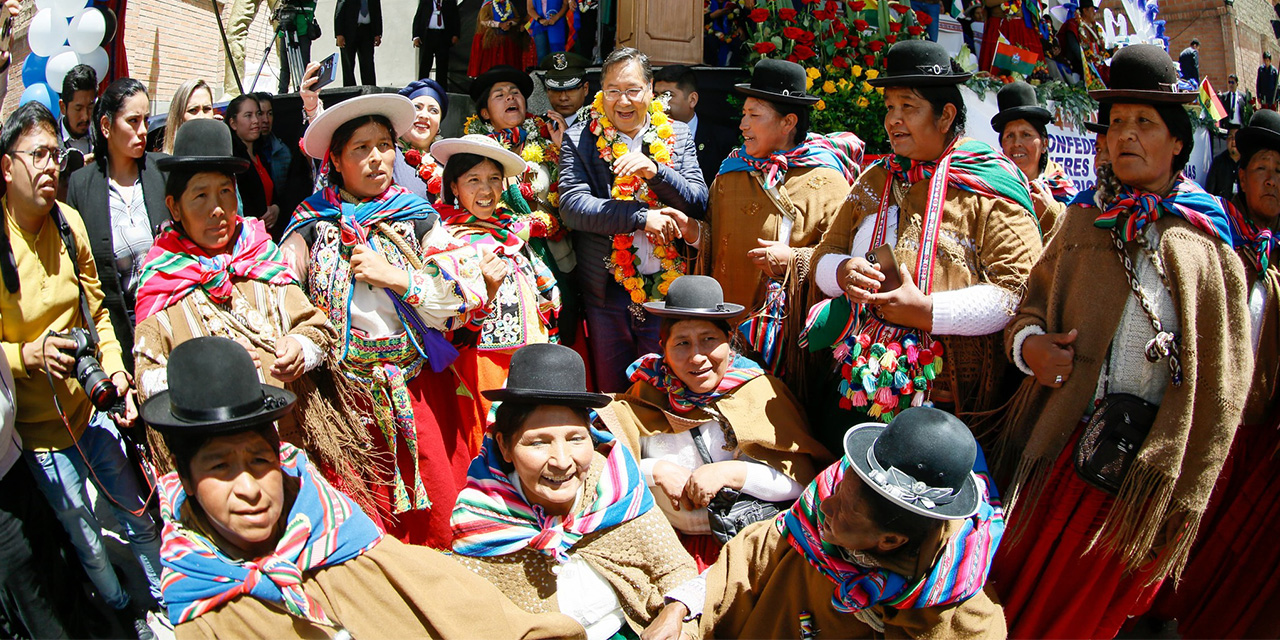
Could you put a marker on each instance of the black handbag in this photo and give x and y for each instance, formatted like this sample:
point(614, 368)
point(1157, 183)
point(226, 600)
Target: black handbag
point(730, 511)
point(1121, 422)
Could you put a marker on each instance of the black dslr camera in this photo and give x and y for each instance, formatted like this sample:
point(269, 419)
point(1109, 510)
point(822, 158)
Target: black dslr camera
point(95, 382)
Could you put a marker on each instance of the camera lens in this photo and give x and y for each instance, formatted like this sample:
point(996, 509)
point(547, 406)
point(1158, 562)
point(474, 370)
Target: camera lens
point(97, 385)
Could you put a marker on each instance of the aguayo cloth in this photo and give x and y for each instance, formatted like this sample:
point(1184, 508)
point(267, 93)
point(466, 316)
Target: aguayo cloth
point(1255, 243)
point(1054, 178)
point(959, 573)
point(1134, 209)
point(839, 151)
point(653, 369)
point(176, 266)
point(492, 518)
point(324, 528)
point(975, 167)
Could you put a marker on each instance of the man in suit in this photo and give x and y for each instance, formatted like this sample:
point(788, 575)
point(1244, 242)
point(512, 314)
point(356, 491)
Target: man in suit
point(565, 77)
point(1221, 181)
point(1233, 101)
point(358, 27)
point(1268, 78)
point(714, 143)
point(619, 329)
point(435, 30)
point(1189, 62)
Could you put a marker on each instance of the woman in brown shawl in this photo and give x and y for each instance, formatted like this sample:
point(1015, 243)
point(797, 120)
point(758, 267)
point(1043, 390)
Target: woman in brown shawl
point(1024, 138)
point(714, 433)
point(1134, 318)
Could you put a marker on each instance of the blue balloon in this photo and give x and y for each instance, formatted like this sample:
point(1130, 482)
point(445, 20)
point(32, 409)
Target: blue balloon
point(41, 93)
point(33, 69)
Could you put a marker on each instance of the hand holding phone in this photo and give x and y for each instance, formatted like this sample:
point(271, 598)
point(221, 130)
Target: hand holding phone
point(882, 257)
point(328, 72)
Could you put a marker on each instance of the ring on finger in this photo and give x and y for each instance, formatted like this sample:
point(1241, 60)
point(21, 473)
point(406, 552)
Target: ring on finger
point(1057, 380)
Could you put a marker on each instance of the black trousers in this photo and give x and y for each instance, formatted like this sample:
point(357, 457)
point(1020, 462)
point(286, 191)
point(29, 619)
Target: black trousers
point(304, 45)
point(586, 34)
point(359, 44)
point(435, 47)
point(35, 581)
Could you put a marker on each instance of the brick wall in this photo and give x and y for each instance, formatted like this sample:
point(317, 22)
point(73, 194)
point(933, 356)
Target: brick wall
point(1232, 39)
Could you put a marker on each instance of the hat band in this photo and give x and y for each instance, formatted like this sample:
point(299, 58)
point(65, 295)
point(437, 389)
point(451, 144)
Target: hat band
point(719, 308)
point(224, 414)
point(904, 487)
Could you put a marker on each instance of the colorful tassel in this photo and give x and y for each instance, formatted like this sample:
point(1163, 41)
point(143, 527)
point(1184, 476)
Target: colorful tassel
point(860, 398)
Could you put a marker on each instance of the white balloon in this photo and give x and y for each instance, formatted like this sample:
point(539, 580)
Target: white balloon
point(98, 59)
point(41, 5)
point(47, 33)
point(87, 30)
point(58, 66)
point(68, 8)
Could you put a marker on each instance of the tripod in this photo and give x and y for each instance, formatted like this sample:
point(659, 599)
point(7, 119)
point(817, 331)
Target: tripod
point(293, 58)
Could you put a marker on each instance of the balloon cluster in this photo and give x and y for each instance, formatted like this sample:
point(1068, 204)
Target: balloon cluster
point(63, 34)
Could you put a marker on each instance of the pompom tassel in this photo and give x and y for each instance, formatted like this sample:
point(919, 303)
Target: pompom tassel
point(859, 398)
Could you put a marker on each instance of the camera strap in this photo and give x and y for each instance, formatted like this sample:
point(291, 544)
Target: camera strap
point(69, 241)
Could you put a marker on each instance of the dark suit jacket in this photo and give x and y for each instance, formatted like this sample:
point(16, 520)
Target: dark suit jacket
point(1268, 77)
point(87, 193)
point(714, 142)
point(426, 8)
point(1189, 64)
point(585, 205)
point(347, 13)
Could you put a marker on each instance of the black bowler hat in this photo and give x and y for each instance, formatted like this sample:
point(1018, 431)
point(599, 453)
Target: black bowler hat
point(694, 297)
point(1104, 121)
point(1263, 132)
point(1018, 101)
point(563, 70)
point(1086, 4)
point(919, 63)
point(1143, 74)
point(502, 73)
point(214, 390)
point(547, 374)
point(780, 81)
point(202, 145)
point(922, 461)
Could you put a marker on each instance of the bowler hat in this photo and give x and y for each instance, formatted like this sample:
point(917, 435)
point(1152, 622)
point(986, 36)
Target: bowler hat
point(1143, 74)
point(1263, 132)
point(1018, 101)
point(502, 73)
point(919, 63)
point(1104, 121)
point(213, 390)
point(922, 461)
point(547, 374)
point(202, 145)
point(694, 297)
point(563, 70)
point(780, 81)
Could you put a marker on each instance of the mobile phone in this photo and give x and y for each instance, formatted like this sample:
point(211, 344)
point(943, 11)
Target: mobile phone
point(328, 72)
point(882, 257)
point(6, 32)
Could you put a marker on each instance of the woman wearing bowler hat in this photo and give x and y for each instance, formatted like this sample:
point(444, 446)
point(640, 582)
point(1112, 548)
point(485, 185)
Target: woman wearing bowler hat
point(1220, 594)
point(214, 273)
point(893, 540)
point(1020, 124)
point(715, 434)
point(558, 517)
point(959, 219)
point(1135, 331)
point(258, 544)
point(771, 202)
point(392, 280)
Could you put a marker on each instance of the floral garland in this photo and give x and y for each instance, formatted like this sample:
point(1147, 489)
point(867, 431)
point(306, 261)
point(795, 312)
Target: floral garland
point(538, 149)
point(624, 260)
point(429, 172)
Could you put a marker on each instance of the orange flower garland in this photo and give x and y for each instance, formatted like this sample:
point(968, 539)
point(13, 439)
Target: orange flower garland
point(624, 260)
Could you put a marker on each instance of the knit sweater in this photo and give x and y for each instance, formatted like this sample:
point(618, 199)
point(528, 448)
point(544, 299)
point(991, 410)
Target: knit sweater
point(49, 300)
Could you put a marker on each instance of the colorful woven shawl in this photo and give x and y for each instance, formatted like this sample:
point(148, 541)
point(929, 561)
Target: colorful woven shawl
point(1134, 209)
point(975, 167)
point(654, 370)
point(959, 572)
point(839, 151)
point(1256, 242)
point(492, 518)
point(325, 528)
point(175, 266)
point(502, 232)
point(1055, 179)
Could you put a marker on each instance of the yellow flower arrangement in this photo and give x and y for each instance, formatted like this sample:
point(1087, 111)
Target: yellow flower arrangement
point(872, 74)
point(866, 87)
point(855, 71)
point(619, 149)
point(828, 87)
point(665, 130)
point(532, 153)
point(862, 102)
point(819, 106)
point(812, 72)
point(808, 84)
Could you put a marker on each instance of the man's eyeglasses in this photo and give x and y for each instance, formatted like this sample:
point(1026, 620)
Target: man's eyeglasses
point(632, 94)
point(41, 156)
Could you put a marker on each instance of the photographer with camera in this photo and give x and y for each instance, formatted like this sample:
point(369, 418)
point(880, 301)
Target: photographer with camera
point(69, 406)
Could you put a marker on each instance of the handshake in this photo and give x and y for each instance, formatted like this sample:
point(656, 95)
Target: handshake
point(666, 225)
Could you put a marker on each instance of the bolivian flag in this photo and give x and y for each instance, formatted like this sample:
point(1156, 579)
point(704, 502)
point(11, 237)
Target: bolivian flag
point(1011, 58)
point(1209, 101)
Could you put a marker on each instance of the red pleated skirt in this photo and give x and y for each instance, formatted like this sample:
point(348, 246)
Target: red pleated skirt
point(704, 548)
point(443, 457)
point(1231, 587)
point(1051, 587)
point(480, 370)
point(510, 50)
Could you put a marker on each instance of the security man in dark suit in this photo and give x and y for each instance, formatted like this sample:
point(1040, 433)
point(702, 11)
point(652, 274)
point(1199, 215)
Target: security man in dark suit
point(436, 27)
point(358, 27)
point(714, 142)
point(1267, 80)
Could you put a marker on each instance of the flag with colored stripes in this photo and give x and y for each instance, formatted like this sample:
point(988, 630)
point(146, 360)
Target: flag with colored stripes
point(1014, 59)
point(1209, 101)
